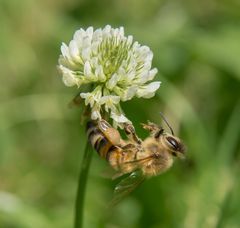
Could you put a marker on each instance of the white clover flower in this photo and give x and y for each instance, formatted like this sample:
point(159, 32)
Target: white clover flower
point(118, 68)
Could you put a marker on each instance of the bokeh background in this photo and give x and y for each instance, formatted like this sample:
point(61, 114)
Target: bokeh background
point(196, 47)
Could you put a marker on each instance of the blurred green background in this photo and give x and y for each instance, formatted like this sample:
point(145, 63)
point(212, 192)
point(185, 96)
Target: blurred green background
point(196, 47)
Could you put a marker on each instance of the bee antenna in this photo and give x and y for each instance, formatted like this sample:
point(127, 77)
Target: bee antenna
point(165, 120)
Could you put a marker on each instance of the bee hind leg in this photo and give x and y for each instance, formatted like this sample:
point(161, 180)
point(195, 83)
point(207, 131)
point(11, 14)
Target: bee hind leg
point(131, 134)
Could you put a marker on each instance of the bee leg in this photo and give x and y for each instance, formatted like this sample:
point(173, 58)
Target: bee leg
point(131, 134)
point(150, 126)
point(103, 125)
point(129, 146)
point(153, 128)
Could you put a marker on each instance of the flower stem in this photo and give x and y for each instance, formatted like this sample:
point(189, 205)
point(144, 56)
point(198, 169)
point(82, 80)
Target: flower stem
point(82, 181)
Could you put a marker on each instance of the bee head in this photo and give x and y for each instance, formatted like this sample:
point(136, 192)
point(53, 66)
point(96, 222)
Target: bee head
point(171, 142)
point(174, 146)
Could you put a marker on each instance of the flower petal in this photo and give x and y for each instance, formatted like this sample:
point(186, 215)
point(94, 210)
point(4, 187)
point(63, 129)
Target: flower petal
point(87, 69)
point(149, 90)
point(95, 115)
point(152, 74)
point(69, 78)
point(109, 99)
point(129, 93)
point(65, 51)
point(73, 48)
point(100, 74)
point(120, 118)
point(112, 82)
point(89, 100)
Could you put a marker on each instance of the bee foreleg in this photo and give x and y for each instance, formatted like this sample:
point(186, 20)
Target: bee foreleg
point(131, 134)
point(153, 128)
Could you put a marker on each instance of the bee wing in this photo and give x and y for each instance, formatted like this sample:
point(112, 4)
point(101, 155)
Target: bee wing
point(110, 173)
point(126, 186)
point(141, 160)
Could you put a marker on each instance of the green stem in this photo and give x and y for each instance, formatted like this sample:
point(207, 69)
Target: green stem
point(82, 181)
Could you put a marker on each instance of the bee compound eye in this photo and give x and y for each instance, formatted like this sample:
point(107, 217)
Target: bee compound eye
point(173, 143)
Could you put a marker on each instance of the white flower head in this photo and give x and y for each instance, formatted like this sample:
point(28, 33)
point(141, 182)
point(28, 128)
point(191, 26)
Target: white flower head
point(118, 68)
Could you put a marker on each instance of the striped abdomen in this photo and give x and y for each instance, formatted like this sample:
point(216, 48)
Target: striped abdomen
point(98, 141)
point(120, 157)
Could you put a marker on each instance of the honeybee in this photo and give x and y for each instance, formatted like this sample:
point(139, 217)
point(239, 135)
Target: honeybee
point(138, 158)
